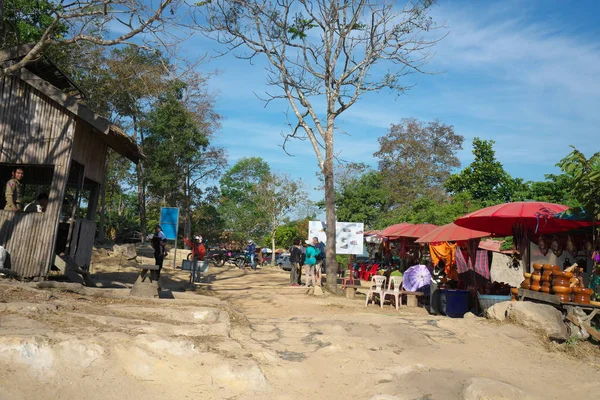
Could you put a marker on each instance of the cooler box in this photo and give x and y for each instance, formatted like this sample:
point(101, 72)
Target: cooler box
point(188, 265)
point(457, 303)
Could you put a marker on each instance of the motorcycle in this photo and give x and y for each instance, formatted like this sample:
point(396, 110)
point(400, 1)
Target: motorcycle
point(216, 257)
point(242, 259)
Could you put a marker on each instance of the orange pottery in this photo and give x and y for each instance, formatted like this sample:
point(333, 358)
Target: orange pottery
point(526, 284)
point(547, 266)
point(536, 278)
point(561, 289)
point(560, 281)
point(564, 297)
point(545, 289)
point(527, 275)
point(583, 291)
point(581, 298)
point(535, 286)
point(537, 266)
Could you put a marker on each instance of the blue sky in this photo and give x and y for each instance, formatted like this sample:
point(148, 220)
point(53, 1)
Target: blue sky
point(523, 73)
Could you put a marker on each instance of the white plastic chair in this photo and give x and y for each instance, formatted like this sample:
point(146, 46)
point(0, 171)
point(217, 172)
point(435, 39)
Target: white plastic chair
point(394, 289)
point(377, 287)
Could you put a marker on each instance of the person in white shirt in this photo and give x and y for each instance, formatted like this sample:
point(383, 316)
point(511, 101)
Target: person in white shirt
point(39, 205)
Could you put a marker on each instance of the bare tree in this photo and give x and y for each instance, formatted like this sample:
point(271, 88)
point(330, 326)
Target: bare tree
point(106, 23)
point(322, 56)
point(276, 197)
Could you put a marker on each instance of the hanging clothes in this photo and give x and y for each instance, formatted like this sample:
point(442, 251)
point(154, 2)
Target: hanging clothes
point(461, 263)
point(443, 251)
point(482, 266)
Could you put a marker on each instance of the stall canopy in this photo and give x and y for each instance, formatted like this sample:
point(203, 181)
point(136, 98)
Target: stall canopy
point(393, 229)
point(414, 231)
point(536, 217)
point(451, 232)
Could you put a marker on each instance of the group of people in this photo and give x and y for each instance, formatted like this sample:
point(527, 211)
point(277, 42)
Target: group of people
point(311, 258)
point(159, 245)
point(14, 195)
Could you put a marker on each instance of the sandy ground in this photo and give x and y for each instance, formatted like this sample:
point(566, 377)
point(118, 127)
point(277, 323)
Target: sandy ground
point(248, 335)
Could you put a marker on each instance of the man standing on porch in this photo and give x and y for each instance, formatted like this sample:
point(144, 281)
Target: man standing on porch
point(14, 191)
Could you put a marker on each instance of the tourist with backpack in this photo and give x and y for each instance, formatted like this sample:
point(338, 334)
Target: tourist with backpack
point(310, 261)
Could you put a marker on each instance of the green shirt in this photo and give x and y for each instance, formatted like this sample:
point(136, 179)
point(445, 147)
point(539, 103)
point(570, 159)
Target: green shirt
point(396, 273)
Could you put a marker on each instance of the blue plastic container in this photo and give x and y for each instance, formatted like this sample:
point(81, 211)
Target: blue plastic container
point(457, 303)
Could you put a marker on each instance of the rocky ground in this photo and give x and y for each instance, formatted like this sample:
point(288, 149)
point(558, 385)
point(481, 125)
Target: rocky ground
point(248, 335)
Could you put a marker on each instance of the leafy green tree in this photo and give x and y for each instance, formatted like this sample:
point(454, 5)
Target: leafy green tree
point(179, 156)
point(416, 159)
point(363, 198)
point(243, 218)
point(24, 21)
point(276, 197)
point(585, 173)
point(485, 179)
point(554, 189)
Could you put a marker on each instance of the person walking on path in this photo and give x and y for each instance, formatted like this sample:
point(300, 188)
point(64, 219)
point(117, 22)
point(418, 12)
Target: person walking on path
point(251, 249)
point(14, 191)
point(296, 259)
point(310, 261)
point(159, 242)
point(198, 254)
point(320, 259)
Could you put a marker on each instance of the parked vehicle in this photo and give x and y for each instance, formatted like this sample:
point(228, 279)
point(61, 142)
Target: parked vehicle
point(284, 263)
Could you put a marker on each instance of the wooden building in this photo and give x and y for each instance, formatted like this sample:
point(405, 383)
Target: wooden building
point(62, 147)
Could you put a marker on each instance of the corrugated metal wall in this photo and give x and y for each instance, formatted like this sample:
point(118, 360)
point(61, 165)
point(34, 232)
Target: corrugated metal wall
point(33, 130)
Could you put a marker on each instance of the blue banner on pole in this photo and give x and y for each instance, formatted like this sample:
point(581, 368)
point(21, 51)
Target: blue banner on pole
point(169, 221)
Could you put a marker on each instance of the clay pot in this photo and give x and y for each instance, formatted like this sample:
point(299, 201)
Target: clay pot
point(561, 289)
point(547, 267)
point(536, 278)
point(535, 287)
point(583, 291)
point(545, 289)
point(560, 281)
point(514, 291)
point(546, 274)
point(556, 268)
point(564, 297)
point(526, 284)
point(581, 298)
point(567, 275)
point(537, 267)
point(527, 275)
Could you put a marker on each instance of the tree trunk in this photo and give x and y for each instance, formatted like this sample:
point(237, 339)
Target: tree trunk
point(331, 262)
point(187, 212)
point(141, 183)
point(273, 248)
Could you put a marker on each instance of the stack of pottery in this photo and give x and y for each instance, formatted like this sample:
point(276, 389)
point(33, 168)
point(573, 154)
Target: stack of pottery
point(536, 277)
point(582, 295)
point(546, 279)
point(561, 285)
point(526, 284)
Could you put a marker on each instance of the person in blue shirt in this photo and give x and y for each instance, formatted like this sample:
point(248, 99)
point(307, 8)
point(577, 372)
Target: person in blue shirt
point(310, 261)
point(251, 249)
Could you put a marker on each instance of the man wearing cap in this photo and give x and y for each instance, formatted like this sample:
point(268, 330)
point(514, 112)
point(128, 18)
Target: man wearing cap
point(320, 259)
point(159, 241)
point(310, 261)
point(198, 254)
point(14, 191)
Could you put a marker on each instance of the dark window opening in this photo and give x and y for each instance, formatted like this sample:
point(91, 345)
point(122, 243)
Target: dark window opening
point(37, 179)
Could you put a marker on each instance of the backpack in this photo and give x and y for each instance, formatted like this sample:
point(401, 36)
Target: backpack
point(319, 255)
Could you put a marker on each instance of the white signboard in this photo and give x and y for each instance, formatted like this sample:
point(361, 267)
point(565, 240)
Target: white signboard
point(348, 235)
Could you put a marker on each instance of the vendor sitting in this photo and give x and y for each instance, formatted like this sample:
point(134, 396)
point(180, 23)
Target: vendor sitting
point(396, 271)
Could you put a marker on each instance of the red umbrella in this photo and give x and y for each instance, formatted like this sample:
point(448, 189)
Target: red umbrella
point(538, 217)
point(414, 231)
point(393, 229)
point(451, 232)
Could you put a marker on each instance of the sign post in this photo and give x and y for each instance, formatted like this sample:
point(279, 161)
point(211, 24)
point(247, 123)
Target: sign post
point(169, 222)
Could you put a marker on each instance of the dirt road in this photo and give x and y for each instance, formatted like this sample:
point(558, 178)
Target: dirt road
point(248, 335)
